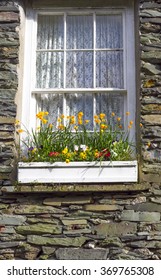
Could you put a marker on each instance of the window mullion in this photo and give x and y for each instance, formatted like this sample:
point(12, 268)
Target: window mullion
point(94, 50)
point(64, 70)
point(65, 38)
point(94, 65)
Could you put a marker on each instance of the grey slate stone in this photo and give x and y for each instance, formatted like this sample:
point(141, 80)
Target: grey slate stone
point(81, 254)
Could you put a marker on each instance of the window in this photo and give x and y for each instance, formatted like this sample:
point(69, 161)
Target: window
point(79, 60)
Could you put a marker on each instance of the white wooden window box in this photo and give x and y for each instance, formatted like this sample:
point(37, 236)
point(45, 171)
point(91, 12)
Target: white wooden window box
point(78, 172)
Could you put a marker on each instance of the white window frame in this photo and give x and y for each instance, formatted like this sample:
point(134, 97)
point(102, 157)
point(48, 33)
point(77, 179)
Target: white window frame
point(29, 101)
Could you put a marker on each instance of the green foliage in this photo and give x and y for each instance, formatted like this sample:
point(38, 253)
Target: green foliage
point(72, 141)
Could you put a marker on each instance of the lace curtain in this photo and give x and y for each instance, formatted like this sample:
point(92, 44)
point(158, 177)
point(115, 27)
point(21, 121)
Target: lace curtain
point(80, 51)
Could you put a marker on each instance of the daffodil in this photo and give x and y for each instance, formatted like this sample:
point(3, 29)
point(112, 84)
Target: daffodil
point(20, 130)
point(65, 151)
point(102, 116)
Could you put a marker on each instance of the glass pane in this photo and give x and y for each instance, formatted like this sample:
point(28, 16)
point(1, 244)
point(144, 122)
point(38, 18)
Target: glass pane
point(111, 103)
point(50, 32)
point(49, 70)
point(109, 69)
point(79, 32)
point(52, 103)
point(79, 70)
point(80, 102)
point(109, 31)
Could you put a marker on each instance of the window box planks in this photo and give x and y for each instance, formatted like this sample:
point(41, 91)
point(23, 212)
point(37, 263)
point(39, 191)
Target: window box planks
point(78, 172)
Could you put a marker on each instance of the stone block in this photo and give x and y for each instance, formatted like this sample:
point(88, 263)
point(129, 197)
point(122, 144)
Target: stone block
point(68, 200)
point(12, 220)
point(102, 207)
point(36, 209)
point(7, 229)
point(152, 119)
point(4, 245)
point(115, 229)
point(9, 17)
point(57, 241)
point(148, 207)
point(68, 222)
point(150, 217)
point(81, 254)
point(39, 228)
point(7, 120)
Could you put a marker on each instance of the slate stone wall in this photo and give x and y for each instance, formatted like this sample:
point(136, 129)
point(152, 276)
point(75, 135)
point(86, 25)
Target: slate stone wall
point(9, 44)
point(76, 222)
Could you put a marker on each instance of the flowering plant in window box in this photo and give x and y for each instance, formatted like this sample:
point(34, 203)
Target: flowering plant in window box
point(70, 152)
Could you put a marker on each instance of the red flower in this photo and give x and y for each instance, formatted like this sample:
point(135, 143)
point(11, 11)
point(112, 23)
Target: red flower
point(104, 153)
point(53, 154)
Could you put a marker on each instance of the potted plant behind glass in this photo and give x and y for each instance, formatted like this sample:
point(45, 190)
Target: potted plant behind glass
point(73, 154)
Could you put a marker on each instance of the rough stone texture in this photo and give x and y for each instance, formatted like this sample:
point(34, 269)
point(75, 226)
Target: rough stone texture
point(81, 254)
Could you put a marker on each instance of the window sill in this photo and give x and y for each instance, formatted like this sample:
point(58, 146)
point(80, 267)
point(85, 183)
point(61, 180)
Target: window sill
point(78, 172)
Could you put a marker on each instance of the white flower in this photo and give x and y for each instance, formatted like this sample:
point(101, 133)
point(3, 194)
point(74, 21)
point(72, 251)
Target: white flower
point(83, 147)
point(76, 148)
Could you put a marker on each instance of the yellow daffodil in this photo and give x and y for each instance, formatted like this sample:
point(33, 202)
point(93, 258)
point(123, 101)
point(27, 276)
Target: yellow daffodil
point(87, 121)
point(44, 121)
point(119, 119)
point(103, 126)
point(17, 122)
point(65, 151)
point(112, 114)
point(83, 155)
point(127, 113)
point(61, 126)
point(76, 127)
point(102, 116)
point(72, 121)
point(80, 114)
point(131, 122)
point(59, 120)
point(67, 160)
point(80, 122)
point(20, 130)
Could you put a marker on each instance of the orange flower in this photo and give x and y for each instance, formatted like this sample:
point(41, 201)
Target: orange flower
point(80, 114)
point(44, 121)
point(20, 130)
point(61, 126)
point(80, 122)
point(102, 115)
